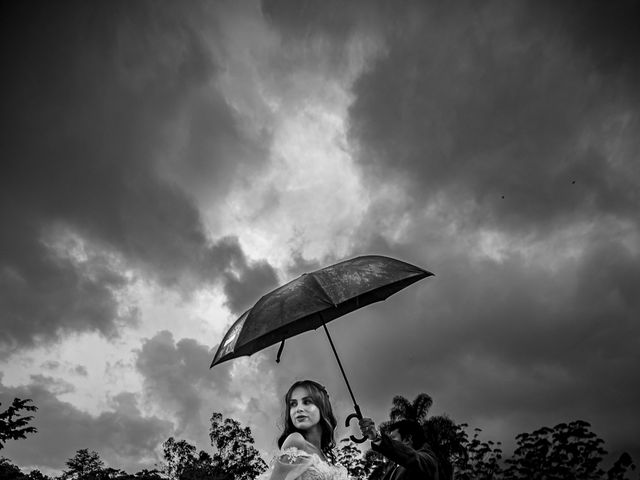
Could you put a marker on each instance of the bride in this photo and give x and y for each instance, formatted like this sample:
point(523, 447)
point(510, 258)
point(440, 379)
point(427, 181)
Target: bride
point(307, 442)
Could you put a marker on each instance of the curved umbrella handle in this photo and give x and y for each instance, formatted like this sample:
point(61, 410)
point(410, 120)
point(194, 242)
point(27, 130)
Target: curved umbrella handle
point(357, 415)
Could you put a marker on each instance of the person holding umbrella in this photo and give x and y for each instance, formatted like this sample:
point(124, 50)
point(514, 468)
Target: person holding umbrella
point(307, 440)
point(411, 457)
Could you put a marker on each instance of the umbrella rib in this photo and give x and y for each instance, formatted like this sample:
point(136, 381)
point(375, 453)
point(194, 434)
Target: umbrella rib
point(319, 285)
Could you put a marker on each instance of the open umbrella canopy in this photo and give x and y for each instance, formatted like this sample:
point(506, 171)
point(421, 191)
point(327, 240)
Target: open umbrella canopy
point(313, 299)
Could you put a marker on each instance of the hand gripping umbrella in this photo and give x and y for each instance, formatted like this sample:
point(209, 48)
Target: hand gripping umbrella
point(311, 301)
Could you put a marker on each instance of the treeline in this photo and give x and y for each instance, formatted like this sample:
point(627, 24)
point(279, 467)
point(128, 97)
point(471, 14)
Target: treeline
point(566, 451)
point(234, 457)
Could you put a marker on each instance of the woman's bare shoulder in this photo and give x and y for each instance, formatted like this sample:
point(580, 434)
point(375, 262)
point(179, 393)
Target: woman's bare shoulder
point(295, 440)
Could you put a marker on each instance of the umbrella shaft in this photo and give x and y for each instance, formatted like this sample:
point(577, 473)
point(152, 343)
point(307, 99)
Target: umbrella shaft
point(355, 404)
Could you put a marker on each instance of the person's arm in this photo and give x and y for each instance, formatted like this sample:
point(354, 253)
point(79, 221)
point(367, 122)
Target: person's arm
point(421, 461)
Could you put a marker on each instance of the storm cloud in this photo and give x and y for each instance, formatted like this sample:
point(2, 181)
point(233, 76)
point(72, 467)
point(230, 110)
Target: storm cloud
point(97, 103)
point(177, 378)
point(508, 133)
point(123, 436)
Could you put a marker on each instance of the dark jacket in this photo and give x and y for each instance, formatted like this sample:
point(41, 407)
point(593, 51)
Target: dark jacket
point(410, 464)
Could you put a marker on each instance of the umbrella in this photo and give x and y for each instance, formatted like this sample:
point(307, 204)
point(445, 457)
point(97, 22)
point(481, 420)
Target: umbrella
point(311, 301)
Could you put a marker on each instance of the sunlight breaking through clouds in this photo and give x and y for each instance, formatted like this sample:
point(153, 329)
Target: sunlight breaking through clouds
point(311, 178)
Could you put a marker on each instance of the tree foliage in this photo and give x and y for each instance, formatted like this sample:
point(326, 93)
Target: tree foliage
point(359, 466)
point(568, 450)
point(9, 471)
point(37, 475)
point(146, 474)
point(184, 462)
point(620, 468)
point(13, 423)
point(234, 457)
point(442, 433)
point(403, 409)
point(375, 464)
point(482, 459)
point(84, 464)
point(446, 439)
point(234, 451)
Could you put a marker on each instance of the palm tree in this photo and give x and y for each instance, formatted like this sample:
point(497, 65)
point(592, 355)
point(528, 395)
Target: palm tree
point(445, 437)
point(417, 410)
point(401, 409)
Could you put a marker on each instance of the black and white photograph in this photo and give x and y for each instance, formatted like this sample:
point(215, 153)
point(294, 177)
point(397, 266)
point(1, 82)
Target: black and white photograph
point(320, 240)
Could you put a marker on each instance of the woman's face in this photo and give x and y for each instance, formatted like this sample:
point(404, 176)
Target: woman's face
point(303, 412)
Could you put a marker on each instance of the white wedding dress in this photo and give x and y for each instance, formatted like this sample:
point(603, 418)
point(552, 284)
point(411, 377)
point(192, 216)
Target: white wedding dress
point(300, 460)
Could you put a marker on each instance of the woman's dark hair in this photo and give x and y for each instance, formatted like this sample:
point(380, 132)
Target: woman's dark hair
point(409, 428)
point(328, 422)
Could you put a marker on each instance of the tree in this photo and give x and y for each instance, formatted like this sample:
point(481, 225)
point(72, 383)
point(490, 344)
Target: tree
point(568, 450)
point(13, 425)
point(235, 454)
point(443, 435)
point(481, 460)
point(178, 456)
point(83, 465)
point(9, 471)
point(350, 457)
point(148, 475)
point(447, 440)
point(619, 469)
point(417, 410)
point(375, 464)
point(37, 475)
point(184, 462)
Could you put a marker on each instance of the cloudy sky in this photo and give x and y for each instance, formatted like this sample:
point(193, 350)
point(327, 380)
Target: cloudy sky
point(164, 164)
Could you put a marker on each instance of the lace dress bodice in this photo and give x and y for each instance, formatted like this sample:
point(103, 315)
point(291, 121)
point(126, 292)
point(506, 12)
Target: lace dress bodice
point(316, 468)
point(298, 460)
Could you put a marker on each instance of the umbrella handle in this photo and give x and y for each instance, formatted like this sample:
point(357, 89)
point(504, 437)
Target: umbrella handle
point(357, 415)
